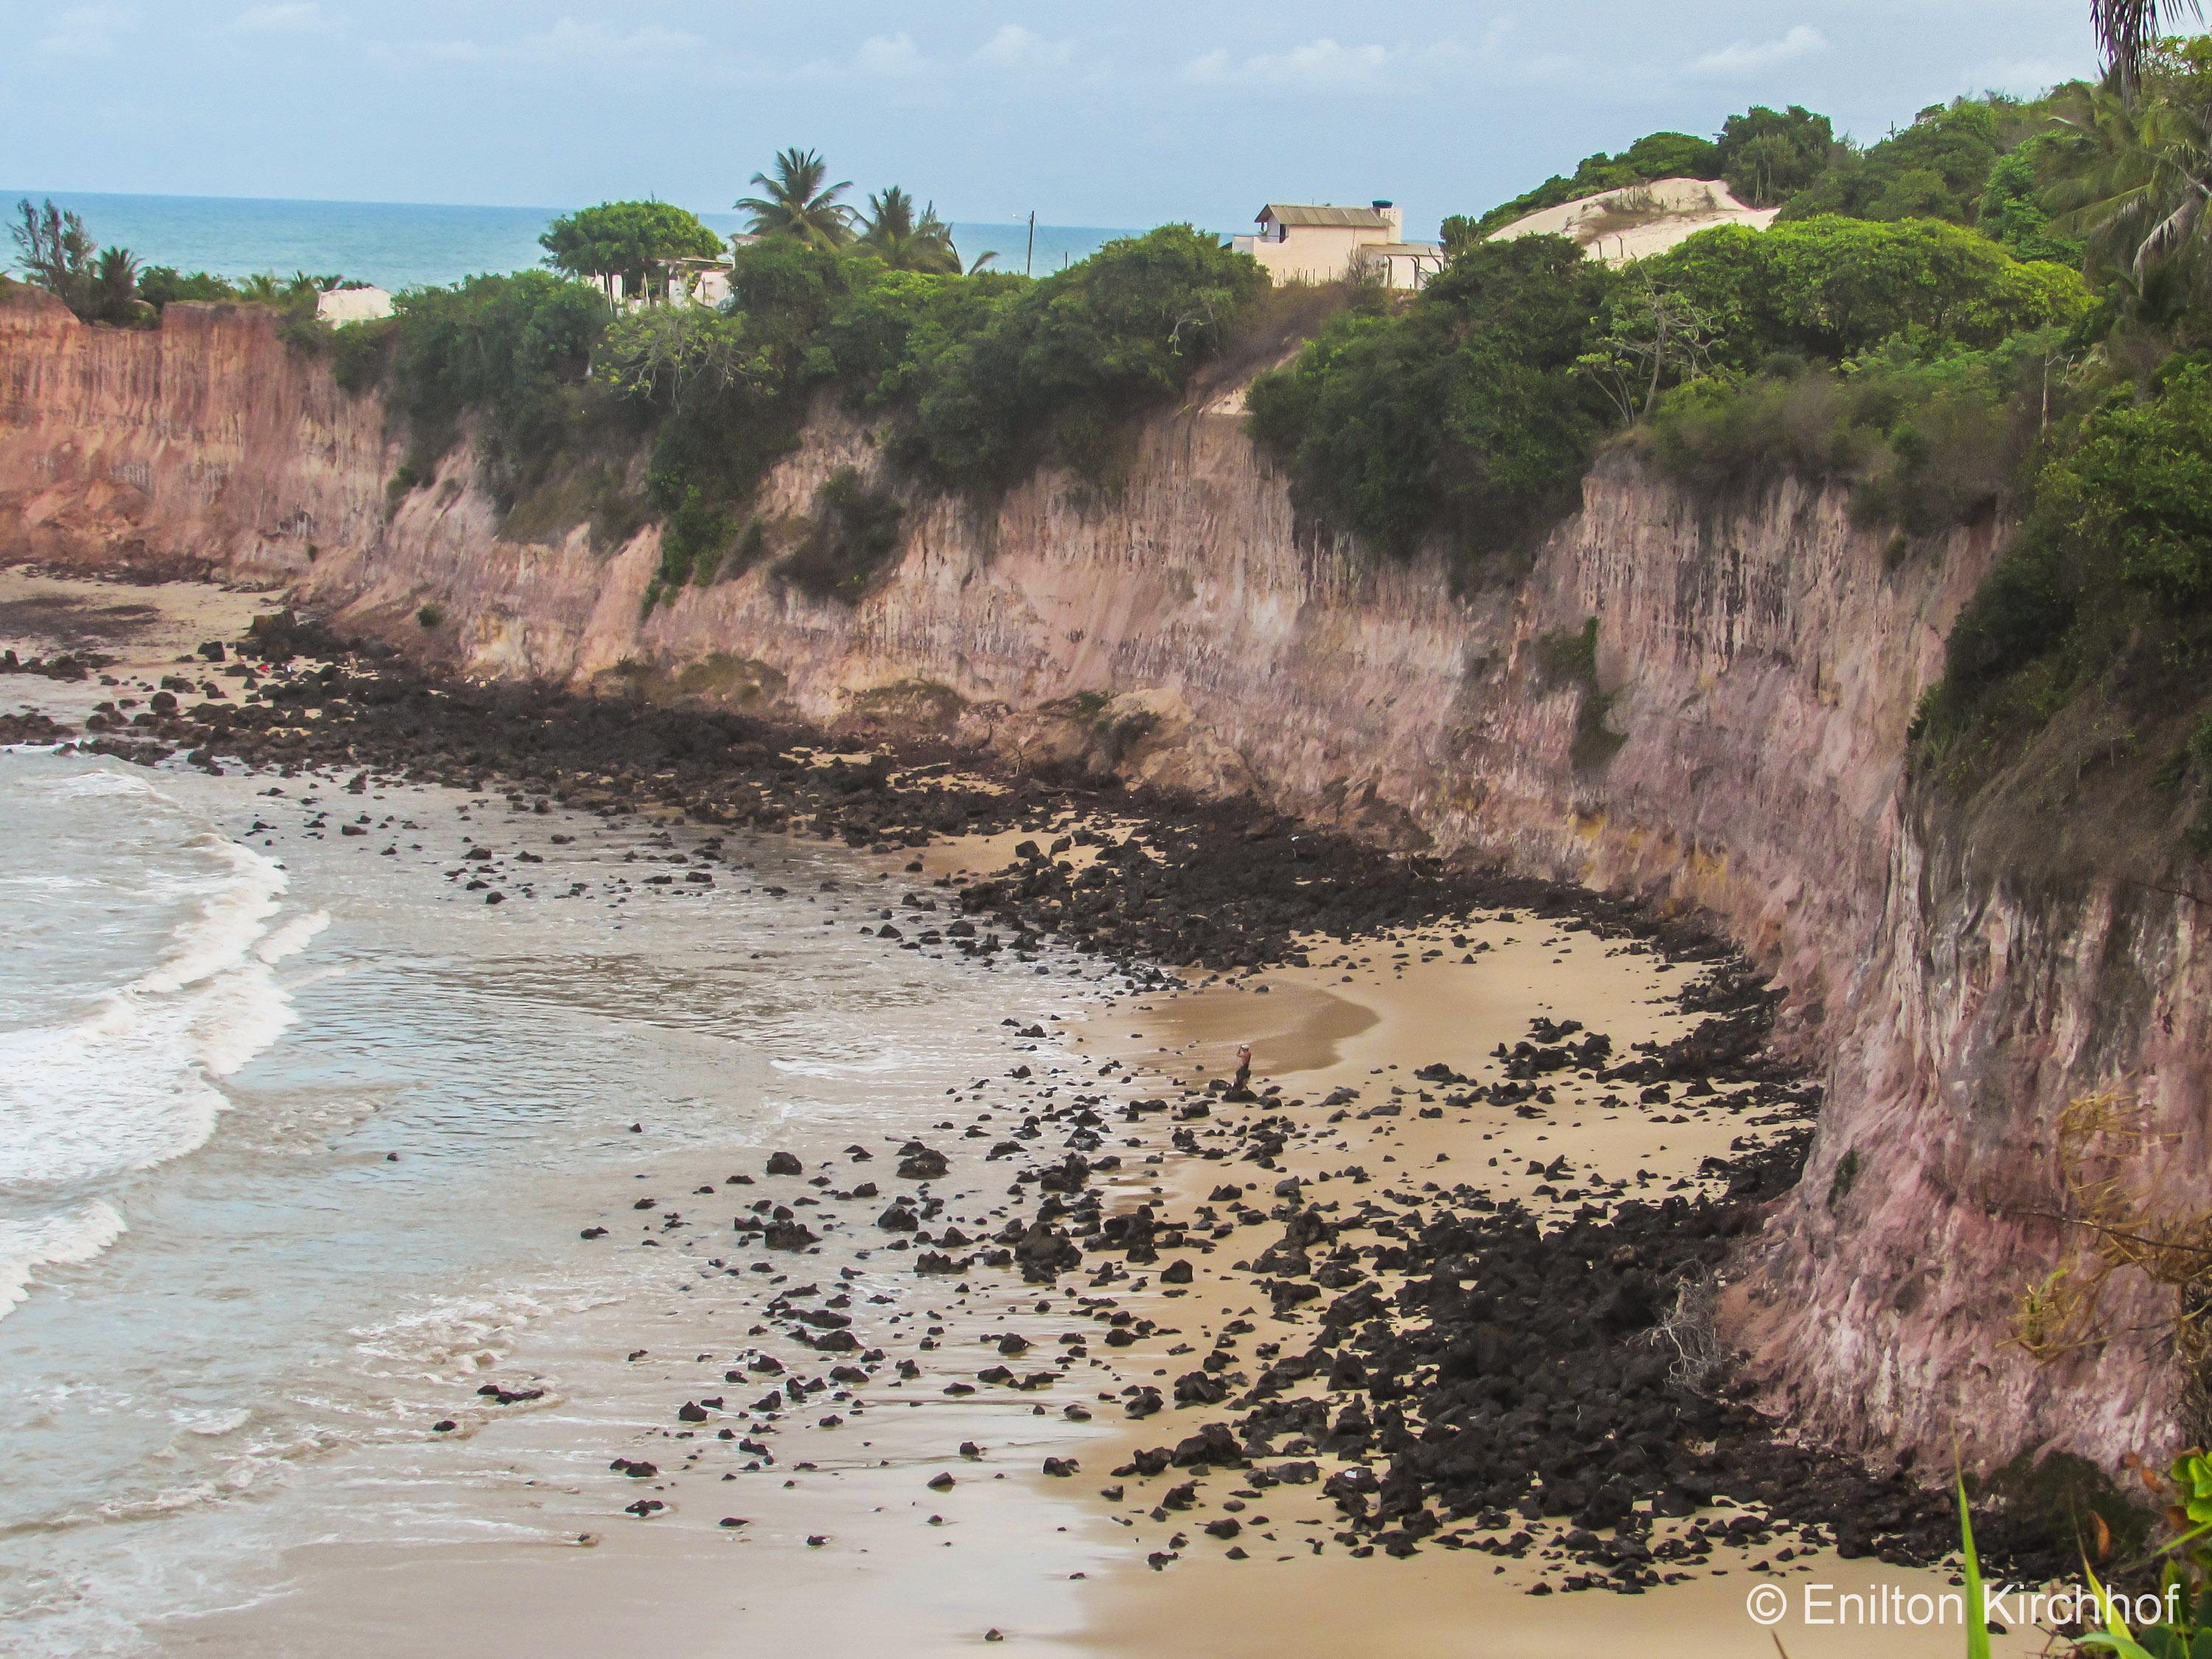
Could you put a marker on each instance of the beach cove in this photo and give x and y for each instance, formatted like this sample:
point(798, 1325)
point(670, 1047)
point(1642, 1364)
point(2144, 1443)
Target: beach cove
point(527, 1510)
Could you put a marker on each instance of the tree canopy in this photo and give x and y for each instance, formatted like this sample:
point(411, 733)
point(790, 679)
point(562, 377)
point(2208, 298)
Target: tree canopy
point(904, 241)
point(797, 202)
point(632, 241)
point(1833, 288)
point(1465, 416)
point(1766, 154)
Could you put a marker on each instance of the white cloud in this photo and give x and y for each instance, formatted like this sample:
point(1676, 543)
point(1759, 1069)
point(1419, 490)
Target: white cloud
point(414, 54)
point(295, 17)
point(569, 41)
point(1748, 58)
point(1014, 47)
point(889, 56)
point(878, 57)
point(85, 31)
point(1319, 64)
point(2032, 75)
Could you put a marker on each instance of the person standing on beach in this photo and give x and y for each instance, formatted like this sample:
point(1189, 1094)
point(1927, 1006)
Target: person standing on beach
point(1241, 1088)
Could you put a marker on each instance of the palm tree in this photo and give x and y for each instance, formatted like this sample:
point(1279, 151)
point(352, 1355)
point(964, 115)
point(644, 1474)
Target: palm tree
point(2126, 29)
point(904, 242)
point(115, 285)
point(2141, 178)
point(796, 203)
point(889, 220)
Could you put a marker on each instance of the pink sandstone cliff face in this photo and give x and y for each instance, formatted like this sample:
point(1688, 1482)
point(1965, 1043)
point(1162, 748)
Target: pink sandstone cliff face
point(1763, 664)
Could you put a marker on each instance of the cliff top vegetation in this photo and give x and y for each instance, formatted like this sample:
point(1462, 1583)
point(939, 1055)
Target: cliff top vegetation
point(1998, 315)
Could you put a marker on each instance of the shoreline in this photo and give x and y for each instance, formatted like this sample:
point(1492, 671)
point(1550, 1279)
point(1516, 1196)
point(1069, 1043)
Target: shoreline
point(1198, 861)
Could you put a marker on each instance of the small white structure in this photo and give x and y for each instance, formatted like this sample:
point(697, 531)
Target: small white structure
point(1638, 220)
point(1302, 242)
point(338, 306)
point(687, 283)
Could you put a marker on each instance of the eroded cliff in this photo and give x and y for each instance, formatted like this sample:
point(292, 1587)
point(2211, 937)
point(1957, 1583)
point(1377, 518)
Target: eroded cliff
point(1736, 742)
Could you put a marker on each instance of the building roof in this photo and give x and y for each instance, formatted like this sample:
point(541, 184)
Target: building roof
point(1339, 218)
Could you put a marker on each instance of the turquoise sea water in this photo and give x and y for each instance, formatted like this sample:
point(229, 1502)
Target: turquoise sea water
point(399, 244)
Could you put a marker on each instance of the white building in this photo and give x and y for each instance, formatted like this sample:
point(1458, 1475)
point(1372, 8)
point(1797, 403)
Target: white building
point(337, 305)
point(685, 282)
point(1299, 242)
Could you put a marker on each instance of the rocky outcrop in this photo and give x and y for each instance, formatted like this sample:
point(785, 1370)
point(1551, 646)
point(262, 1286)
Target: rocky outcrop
point(1732, 739)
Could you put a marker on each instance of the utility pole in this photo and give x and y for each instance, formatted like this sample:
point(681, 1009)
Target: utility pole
point(1029, 259)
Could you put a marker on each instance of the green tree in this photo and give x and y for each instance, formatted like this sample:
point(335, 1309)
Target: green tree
point(113, 292)
point(55, 252)
point(1835, 288)
point(1654, 338)
point(1466, 416)
point(2133, 174)
point(797, 203)
point(674, 354)
point(630, 241)
point(2012, 207)
point(1766, 155)
point(1047, 371)
point(903, 242)
point(2140, 486)
point(1936, 168)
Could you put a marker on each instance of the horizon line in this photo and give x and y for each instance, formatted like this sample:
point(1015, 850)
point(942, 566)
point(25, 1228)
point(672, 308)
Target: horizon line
point(497, 207)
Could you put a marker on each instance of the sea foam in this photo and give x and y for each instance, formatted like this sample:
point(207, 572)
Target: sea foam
point(131, 1079)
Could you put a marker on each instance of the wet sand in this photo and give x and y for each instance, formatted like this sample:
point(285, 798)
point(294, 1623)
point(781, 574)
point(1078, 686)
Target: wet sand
point(1045, 1563)
point(1049, 1564)
point(138, 632)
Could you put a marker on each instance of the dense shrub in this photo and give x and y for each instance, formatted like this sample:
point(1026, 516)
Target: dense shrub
point(980, 378)
point(1767, 154)
point(515, 350)
point(1926, 445)
point(1936, 168)
point(159, 284)
point(1462, 416)
point(1833, 288)
point(853, 532)
point(2108, 584)
point(361, 354)
point(2022, 609)
point(1473, 413)
point(896, 321)
point(1047, 372)
point(2139, 487)
point(695, 530)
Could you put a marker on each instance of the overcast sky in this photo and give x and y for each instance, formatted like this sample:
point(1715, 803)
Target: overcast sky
point(1128, 112)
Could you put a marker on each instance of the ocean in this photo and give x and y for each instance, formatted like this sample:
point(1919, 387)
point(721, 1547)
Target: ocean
point(398, 245)
point(298, 1141)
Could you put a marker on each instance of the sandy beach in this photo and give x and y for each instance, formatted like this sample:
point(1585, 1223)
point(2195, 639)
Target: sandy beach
point(959, 1476)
